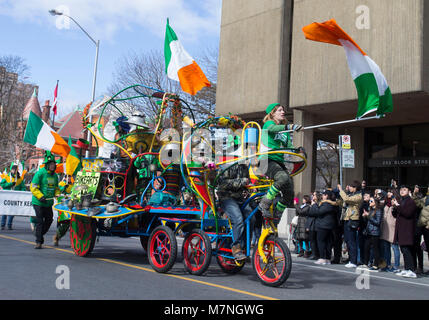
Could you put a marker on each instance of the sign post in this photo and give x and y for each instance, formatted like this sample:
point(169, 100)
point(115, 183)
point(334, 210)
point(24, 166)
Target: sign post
point(346, 154)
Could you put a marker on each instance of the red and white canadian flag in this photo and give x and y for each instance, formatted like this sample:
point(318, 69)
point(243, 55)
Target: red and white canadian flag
point(54, 109)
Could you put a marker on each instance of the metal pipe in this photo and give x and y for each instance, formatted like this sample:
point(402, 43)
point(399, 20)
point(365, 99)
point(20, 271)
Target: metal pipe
point(335, 123)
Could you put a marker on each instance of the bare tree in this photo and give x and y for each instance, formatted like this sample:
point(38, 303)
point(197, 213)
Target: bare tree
point(149, 69)
point(14, 93)
point(327, 164)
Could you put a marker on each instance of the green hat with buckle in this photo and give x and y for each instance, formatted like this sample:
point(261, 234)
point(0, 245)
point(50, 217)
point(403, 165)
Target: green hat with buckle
point(271, 107)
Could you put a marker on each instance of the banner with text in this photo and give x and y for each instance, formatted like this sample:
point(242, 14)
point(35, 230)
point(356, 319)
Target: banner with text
point(17, 203)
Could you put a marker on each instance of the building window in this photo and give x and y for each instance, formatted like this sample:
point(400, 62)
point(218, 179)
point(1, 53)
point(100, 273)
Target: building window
point(383, 142)
point(414, 141)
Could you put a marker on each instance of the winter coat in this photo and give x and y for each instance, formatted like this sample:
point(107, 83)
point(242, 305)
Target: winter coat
point(424, 215)
point(44, 184)
point(373, 222)
point(310, 224)
point(363, 222)
point(302, 214)
point(11, 182)
point(353, 202)
point(388, 224)
point(325, 214)
point(232, 182)
point(405, 227)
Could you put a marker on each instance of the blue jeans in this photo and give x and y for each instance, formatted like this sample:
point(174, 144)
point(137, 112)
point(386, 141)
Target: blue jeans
point(387, 253)
point(350, 236)
point(361, 238)
point(9, 221)
point(237, 217)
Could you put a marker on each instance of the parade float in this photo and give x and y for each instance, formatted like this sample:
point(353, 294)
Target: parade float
point(159, 185)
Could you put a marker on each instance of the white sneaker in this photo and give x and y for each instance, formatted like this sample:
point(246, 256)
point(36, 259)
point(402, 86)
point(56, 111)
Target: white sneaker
point(350, 265)
point(326, 262)
point(401, 273)
point(320, 261)
point(409, 274)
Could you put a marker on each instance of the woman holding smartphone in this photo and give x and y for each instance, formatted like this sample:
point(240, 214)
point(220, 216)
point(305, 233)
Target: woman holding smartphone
point(372, 232)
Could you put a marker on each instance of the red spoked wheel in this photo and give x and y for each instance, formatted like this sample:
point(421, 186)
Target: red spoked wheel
point(228, 265)
point(197, 252)
point(279, 265)
point(83, 233)
point(162, 249)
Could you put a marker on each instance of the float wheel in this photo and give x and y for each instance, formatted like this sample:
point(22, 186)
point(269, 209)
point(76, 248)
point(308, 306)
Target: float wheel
point(162, 249)
point(83, 233)
point(197, 252)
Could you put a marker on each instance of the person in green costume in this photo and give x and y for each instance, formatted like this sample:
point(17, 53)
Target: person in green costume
point(63, 223)
point(12, 181)
point(44, 188)
point(274, 139)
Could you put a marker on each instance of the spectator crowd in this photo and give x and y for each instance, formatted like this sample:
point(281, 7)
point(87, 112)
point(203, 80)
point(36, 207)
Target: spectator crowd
point(367, 225)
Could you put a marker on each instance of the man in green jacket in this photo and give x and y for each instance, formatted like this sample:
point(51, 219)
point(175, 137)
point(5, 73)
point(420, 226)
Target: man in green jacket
point(44, 188)
point(12, 181)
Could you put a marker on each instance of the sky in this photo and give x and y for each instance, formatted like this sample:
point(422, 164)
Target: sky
point(56, 49)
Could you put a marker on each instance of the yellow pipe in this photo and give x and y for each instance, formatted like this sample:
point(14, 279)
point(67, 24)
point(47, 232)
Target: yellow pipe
point(266, 153)
point(159, 121)
point(242, 135)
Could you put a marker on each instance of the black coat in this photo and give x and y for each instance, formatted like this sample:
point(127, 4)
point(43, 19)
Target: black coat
point(325, 214)
point(310, 224)
point(302, 214)
point(405, 215)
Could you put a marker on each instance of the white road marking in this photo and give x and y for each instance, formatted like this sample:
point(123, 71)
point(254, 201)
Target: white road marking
point(372, 275)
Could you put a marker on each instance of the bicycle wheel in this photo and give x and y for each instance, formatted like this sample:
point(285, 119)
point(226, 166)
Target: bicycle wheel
point(162, 249)
point(228, 265)
point(279, 265)
point(197, 252)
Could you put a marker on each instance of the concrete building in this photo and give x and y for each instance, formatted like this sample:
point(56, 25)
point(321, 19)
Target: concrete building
point(264, 58)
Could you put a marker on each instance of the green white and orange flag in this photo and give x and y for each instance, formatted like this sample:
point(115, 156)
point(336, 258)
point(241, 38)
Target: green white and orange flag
point(72, 162)
point(180, 66)
point(38, 133)
point(372, 88)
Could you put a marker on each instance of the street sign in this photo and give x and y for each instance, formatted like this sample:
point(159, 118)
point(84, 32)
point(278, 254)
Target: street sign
point(345, 142)
point(348, 158)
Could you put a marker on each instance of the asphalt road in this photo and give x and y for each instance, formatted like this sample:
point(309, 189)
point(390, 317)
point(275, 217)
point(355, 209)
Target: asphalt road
point(119, 269)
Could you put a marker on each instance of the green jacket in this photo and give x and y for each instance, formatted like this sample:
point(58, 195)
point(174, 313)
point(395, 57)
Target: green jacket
point(45, 185)
point(273, 140)
point(11, 182)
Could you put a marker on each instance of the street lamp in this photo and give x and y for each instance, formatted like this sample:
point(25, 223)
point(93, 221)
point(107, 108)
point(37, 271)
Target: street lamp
point(97, 45)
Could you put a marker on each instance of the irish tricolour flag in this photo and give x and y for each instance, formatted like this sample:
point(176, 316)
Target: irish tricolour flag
point(372, 88)
point(180, 66)
point(41, 135)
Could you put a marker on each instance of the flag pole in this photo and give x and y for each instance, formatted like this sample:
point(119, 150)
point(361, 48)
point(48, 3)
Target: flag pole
point(336, 123)
point(55, 102)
